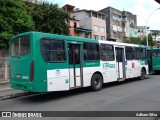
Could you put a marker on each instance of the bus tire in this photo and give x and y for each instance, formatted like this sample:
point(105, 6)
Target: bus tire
point(143, 73)
point(96, 82)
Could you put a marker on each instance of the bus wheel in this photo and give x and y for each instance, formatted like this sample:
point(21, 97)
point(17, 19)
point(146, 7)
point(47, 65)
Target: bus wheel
point(96, 82)
point(143, 73)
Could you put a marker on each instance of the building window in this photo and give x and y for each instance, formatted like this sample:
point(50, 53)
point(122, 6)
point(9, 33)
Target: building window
point(82, 34)
point(119, 29)
point(95, 28)
point(102, 37)
point(75, 24)
point(102, 29)
point(119, 18)
point(114, 28)
point(115, 17)
point(96, 37)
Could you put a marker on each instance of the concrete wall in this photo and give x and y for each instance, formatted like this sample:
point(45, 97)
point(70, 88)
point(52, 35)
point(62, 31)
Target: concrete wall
point(87, 21)
point(100, 23)
point(72, 23)
point(118, 35)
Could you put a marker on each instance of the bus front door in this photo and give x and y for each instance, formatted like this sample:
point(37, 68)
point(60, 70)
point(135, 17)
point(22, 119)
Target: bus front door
point(75, 66)
point(120, 63)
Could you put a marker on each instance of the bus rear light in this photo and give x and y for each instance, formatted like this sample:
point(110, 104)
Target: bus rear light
point(132, 65)
point(31, 71)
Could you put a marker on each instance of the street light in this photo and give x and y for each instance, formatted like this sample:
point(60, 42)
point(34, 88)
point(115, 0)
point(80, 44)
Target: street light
point(147, 22)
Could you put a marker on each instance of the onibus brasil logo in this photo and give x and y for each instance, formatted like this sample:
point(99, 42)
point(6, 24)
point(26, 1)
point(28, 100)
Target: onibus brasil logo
point(108, 65)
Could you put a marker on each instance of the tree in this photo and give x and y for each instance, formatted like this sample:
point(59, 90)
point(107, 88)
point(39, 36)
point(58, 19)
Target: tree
point(151, 43)
point(49, 18)
point(14, 19)
point(140, 41)
point(132, 40)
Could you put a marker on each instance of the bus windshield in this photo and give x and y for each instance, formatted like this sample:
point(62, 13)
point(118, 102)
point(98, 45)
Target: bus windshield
point(20, 46)
point(156, 53)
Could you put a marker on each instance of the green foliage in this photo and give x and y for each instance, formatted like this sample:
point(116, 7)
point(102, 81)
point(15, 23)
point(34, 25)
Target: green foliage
point(49, 18)
point(140, 41)
point(133, 40)
point(14, 19)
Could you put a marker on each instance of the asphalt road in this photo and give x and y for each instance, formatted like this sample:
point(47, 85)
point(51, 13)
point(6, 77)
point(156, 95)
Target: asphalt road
point(131, 95)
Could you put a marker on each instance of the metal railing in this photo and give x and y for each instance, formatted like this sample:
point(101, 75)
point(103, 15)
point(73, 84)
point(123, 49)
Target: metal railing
point(4, 68)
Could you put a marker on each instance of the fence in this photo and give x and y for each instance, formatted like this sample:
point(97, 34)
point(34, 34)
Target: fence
point(4, 68)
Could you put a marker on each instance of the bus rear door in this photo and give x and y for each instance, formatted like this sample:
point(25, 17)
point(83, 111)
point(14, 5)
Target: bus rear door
point(75, 65)
point(120, 63)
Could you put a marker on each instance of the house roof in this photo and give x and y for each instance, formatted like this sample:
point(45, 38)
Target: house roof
point(83, 29)
point(90, 11)
point(68, 7)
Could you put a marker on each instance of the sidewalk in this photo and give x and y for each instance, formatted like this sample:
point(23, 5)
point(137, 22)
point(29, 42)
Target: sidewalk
point(6, 92)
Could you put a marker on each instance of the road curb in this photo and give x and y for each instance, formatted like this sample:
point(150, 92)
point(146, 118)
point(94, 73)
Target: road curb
point(14, 95)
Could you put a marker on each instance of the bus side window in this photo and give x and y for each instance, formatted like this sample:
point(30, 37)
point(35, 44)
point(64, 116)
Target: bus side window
point(45, 48)
point(143, 53)
point(91, 51)
point(53, 50)
point(137, 53)
point(85, 51)
point(129, 53)
point(107, 52)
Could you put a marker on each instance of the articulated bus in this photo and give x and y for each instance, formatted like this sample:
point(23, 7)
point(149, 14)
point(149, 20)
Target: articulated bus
point(156, 60)
point(43, 62)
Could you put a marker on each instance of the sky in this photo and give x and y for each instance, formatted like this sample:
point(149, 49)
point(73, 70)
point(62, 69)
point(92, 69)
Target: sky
point(142, 8)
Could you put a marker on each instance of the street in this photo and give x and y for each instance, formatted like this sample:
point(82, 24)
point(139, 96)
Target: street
point(131, 95)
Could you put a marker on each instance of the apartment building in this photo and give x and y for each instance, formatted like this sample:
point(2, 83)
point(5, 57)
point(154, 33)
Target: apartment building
point(92, 20)
point(74, 24)
point(120, 24)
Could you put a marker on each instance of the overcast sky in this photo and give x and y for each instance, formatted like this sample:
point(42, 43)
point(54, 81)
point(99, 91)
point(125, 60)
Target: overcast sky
point(142, 8)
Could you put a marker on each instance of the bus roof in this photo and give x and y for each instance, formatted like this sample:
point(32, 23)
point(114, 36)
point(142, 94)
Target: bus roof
point(49, 35)
point(156, 48)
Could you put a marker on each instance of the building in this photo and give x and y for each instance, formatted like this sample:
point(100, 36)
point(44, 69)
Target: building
point(74, 24)
point(92, 20)
point(120, 24)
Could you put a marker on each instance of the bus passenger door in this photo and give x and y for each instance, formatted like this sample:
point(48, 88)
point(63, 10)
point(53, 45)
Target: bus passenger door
point(120, 63)
point(149, 61)
point(75, 66)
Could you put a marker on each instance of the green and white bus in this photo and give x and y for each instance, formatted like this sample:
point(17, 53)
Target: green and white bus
point(156, 59)
point(43, 62)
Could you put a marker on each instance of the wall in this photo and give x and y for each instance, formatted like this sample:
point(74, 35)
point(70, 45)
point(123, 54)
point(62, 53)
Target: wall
point(100, 23)
point(87, 22)
point(117, 34)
